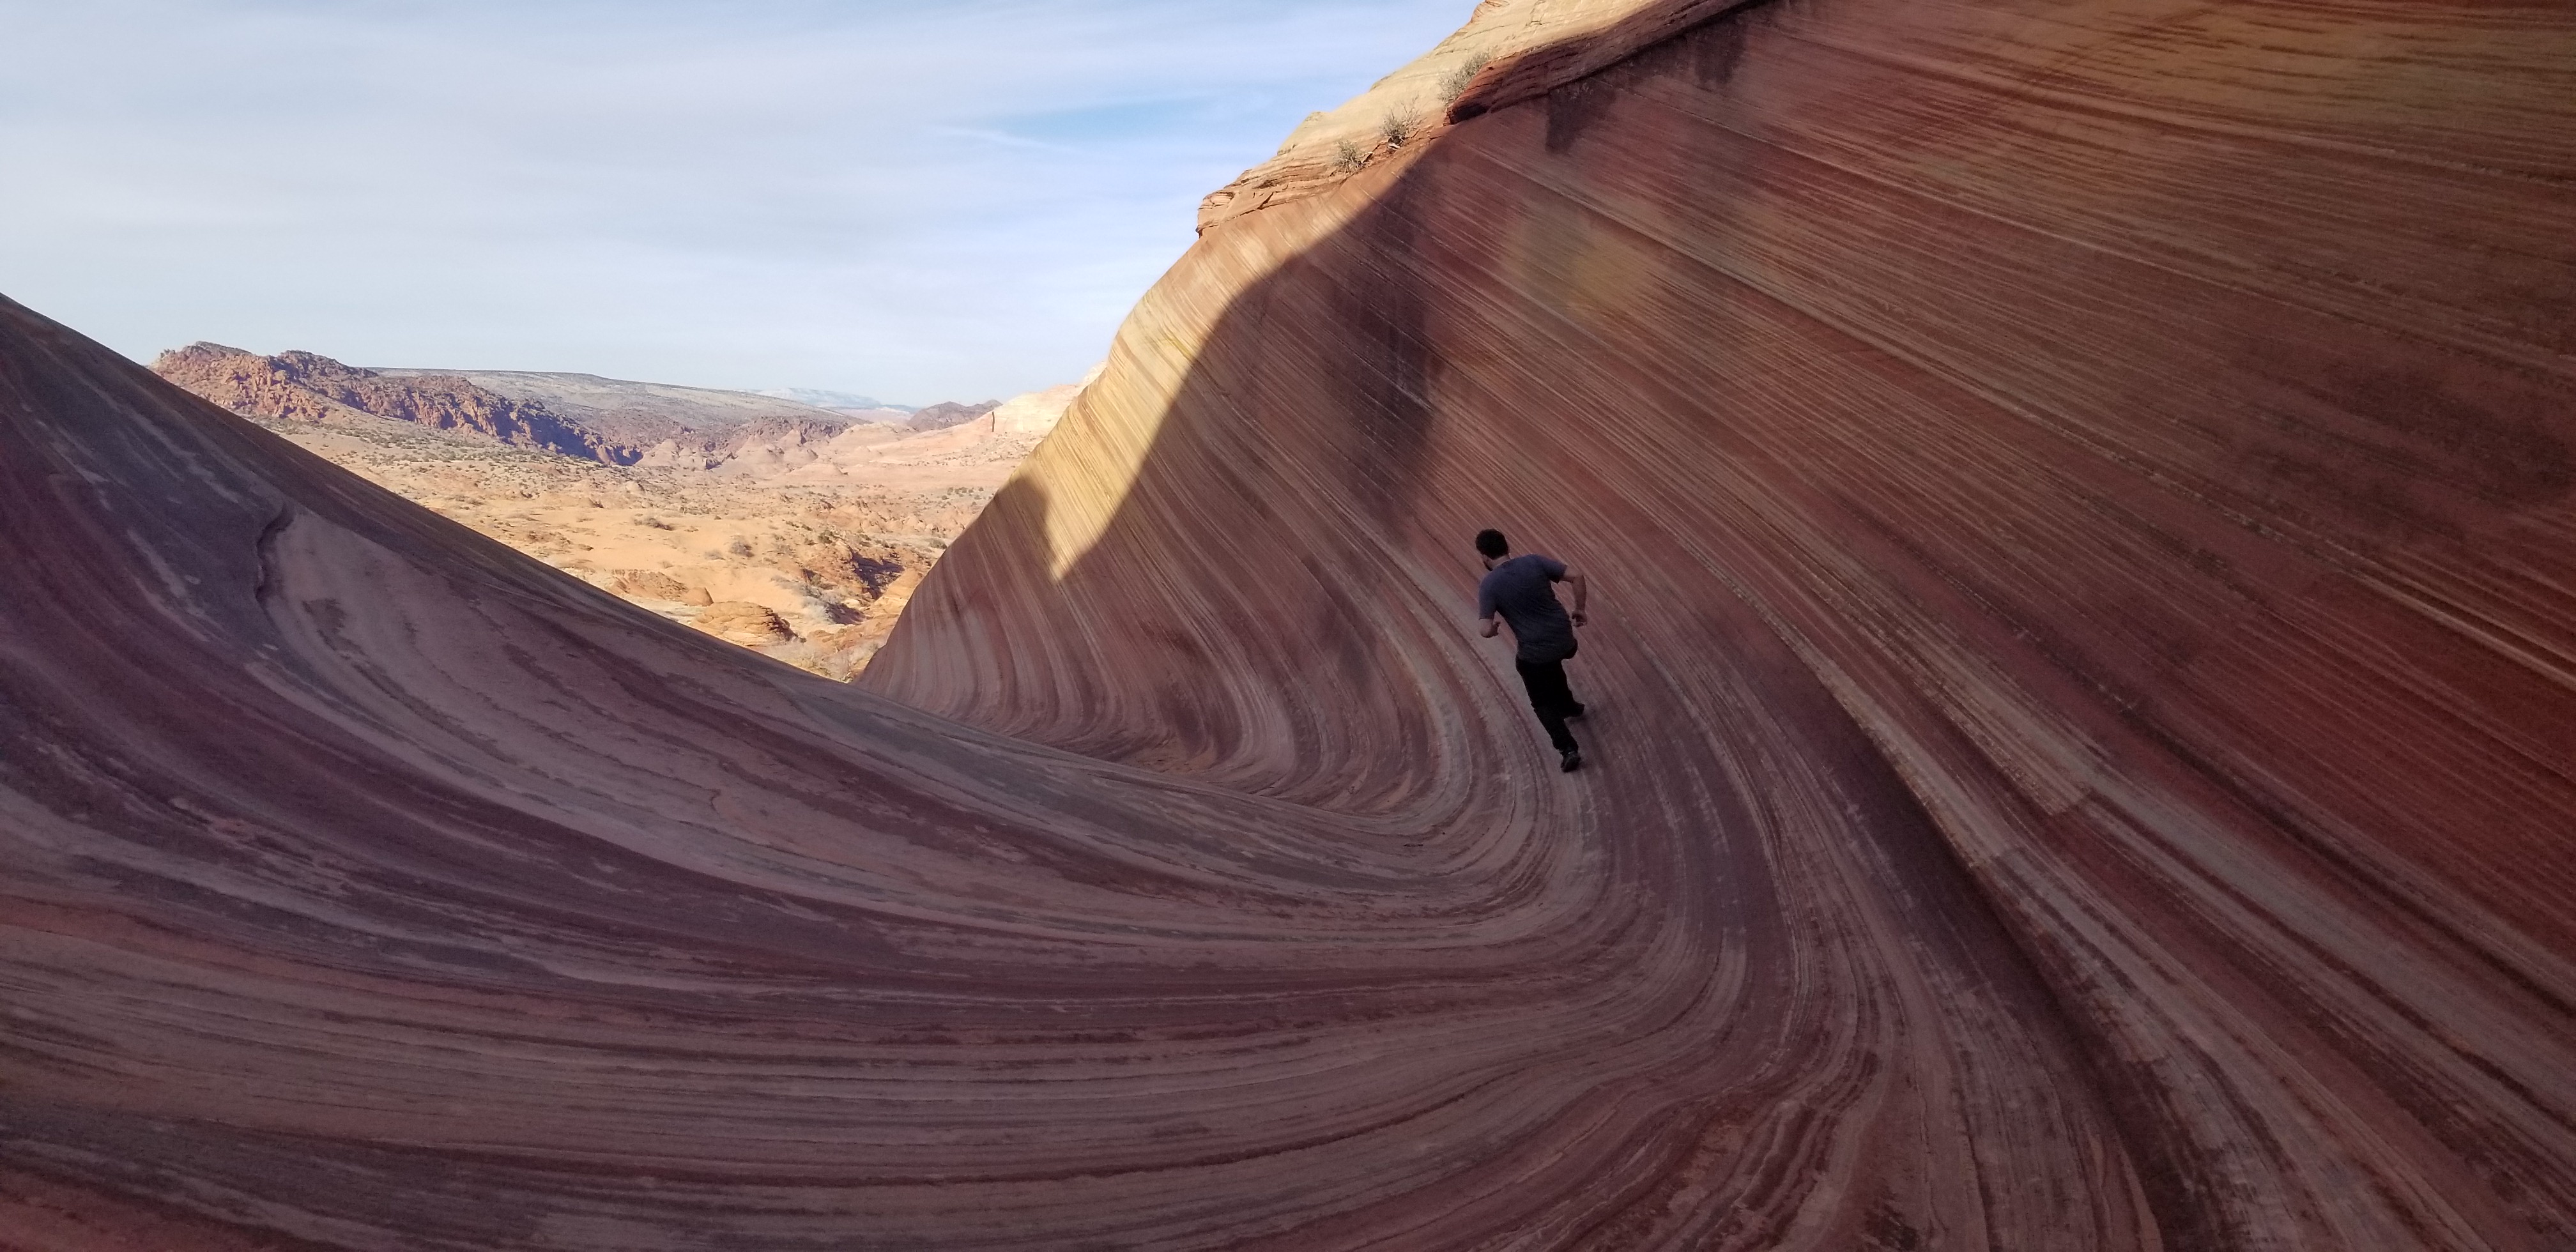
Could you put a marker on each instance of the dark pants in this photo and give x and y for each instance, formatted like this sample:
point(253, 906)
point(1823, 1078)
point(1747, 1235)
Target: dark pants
point(1550, 698)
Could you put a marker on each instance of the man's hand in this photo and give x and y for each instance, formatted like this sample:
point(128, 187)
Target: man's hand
point(1492, 624)
point(1582, 591)
point(1579, 618)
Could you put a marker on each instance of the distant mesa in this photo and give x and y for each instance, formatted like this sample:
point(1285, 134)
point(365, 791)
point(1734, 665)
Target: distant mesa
point(948, 413)
point(758, 436)
point(642, 414)
point(307, 387)
point(610, 420)
point(849, 402)
point(1027, 415)
point(614, 421)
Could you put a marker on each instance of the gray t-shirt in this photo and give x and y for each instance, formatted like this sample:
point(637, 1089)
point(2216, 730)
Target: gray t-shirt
point(1522, 590)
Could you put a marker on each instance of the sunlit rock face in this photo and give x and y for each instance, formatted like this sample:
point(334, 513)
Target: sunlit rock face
point(2084, 660)
point(2081, 673)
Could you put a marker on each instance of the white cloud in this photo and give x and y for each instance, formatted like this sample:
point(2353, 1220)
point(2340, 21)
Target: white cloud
point(915, 201)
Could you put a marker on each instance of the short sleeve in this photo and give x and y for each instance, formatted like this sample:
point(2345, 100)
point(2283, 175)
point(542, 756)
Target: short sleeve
point(1555, 568)
point(1485, 598)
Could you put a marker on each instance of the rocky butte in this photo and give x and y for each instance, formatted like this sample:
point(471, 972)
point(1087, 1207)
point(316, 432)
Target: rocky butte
point(305, 387)
point(2083, 665)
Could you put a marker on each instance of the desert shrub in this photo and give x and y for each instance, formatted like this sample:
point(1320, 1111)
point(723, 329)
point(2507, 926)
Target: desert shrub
point(1395, 128)
point(1454, 84)
point(1347, 157)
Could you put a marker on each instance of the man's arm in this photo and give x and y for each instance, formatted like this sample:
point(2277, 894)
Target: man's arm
point(1492, 624)
point(1581, 592)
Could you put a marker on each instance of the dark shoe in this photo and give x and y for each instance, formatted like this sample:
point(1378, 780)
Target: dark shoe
point(1573, 759)
point(1578, 712)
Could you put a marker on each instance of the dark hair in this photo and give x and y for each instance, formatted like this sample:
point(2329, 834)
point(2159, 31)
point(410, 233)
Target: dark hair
point(1492, 544)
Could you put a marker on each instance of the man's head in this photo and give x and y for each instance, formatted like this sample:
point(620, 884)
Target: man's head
point(1492, 546)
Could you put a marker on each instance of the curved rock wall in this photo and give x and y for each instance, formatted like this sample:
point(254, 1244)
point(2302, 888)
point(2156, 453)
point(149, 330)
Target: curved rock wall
point(366, 884)
point(2078, 496)
point(2080, 689)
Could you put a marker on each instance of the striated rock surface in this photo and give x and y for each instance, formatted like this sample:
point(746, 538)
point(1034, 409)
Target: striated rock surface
point(2080, 679)
point(2083, 679)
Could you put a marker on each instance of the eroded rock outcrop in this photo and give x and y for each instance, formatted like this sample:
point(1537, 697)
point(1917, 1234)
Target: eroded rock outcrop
point(2081, 674)
point(306, 387)
point(1508, 52)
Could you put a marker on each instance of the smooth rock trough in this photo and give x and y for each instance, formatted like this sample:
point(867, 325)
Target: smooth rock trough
point(2082, 679)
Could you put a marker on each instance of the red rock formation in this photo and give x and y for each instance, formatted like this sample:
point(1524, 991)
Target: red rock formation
point(2086, 586)
point(301, 386)
point(641, 414)
point(2081, 676)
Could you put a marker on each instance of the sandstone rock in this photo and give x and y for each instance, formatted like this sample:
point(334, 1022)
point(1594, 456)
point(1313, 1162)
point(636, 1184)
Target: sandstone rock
point(2080, 459)
point(2081, 667)
point(737, 621)
point(656, 585)
point(1037, 412)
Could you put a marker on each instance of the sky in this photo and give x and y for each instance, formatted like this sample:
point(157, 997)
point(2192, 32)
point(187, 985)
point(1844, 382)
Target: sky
point(913, 201)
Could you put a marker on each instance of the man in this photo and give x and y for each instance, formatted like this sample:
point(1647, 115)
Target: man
point(1522, 591)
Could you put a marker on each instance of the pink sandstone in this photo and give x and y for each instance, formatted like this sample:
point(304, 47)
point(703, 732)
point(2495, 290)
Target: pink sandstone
point(2082, 677)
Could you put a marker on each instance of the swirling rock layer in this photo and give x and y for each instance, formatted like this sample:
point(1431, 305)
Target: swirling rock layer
point(2081, 674)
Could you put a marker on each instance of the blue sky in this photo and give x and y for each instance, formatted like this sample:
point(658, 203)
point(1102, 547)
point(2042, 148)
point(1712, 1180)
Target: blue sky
point(917, 201)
